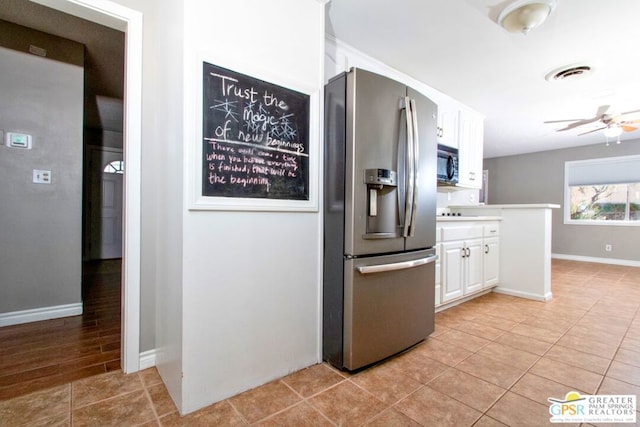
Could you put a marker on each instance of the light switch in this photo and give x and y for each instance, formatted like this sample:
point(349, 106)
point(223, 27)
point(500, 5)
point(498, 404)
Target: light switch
point(41, 176)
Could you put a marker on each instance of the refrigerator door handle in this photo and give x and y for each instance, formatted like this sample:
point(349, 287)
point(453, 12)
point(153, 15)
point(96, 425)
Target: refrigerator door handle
point(380, 268)
point(416, 162)
point(409, 165)
point(402, 166)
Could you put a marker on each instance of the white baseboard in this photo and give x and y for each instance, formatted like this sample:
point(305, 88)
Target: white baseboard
point(627, 262)
point(37, 314)
point(528, 295)
point(147, 359)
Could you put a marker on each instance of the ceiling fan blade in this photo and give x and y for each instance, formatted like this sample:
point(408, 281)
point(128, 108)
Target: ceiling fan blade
point(561, 121)
point(630, 112)
point(591, 131)
point(579, 123)
point(627, 128)
point(602, 110)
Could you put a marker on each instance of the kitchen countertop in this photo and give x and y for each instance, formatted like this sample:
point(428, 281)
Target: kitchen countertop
point(514, 206)
point(468, 218)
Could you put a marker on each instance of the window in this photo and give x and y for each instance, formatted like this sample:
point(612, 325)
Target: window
point(117, 166)
point(603, 191)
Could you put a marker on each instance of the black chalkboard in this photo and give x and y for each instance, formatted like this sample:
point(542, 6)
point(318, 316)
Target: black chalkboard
point(255, 138)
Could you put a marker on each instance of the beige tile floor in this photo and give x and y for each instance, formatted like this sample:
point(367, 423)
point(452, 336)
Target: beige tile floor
point(492, 361)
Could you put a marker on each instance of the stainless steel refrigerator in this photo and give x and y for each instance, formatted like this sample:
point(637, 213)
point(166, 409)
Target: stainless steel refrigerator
point(379, 218)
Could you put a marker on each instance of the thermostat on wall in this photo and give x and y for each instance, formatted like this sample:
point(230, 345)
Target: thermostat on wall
point(18, 140)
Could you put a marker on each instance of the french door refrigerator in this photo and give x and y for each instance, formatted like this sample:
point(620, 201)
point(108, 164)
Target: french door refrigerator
point(379, 218)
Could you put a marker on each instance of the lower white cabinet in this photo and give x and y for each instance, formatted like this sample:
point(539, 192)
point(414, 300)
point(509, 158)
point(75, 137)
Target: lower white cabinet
point(461, 268)
point(438, 297)
point(469, 255)
point(491, 261)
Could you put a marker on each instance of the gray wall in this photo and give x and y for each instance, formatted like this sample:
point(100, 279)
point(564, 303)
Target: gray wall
point(40, 225)
point(539, 178)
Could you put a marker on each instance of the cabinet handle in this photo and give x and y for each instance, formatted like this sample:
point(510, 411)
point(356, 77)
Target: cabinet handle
point(486, 249)
point(464, 252)
point(468, 252)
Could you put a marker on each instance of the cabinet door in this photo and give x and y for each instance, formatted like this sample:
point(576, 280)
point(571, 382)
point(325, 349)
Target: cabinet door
point(452, 265)
point(491, 256)
point(448, 125)
point(438, 297)
point(470, 138)
point(473, 268)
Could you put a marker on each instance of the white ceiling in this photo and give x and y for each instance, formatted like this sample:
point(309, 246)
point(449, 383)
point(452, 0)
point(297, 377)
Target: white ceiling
point(457, 47)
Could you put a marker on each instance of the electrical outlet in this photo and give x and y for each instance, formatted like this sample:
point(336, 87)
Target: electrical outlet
point(41, 176)
point(607, 248)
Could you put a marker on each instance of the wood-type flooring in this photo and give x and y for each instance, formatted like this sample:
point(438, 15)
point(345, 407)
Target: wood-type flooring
point(39, 355)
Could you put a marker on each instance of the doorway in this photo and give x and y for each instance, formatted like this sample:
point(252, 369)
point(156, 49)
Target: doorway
point(104, 175)
point(116, 16)
point(129, 21)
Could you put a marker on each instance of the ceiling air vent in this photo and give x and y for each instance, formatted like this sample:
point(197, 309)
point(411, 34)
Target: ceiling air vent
point(571, 72)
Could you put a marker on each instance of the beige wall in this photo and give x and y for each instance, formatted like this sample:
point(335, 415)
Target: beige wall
point(40, 224)
point(539, 178)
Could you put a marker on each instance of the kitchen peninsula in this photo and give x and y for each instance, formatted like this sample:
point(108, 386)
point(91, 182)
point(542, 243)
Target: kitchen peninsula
point(525, 246)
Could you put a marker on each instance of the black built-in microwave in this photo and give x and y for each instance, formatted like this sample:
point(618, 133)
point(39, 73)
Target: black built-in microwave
point(447, 165)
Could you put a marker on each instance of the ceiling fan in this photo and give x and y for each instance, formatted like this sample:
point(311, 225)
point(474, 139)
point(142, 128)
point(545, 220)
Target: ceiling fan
point(612, 124)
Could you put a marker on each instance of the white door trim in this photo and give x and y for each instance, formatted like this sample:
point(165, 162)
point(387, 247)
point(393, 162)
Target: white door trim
point(116, 16)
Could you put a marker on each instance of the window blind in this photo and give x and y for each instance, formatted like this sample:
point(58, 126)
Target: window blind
point(610, 170)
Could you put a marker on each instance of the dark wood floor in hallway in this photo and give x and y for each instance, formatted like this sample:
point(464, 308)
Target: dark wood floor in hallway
point(39, 355)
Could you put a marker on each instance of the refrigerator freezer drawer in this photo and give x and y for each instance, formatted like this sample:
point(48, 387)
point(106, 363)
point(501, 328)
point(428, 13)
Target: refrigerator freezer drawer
point(387, 311)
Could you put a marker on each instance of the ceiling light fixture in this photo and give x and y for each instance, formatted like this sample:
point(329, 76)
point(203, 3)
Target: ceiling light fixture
point(613, 131)
point(522, 16)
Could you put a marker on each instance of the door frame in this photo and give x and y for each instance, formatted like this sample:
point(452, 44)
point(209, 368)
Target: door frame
point(129, 21)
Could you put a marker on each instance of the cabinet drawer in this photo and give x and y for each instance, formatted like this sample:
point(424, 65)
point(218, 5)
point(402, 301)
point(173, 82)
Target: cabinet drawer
point(461, 233)
point(492, 229)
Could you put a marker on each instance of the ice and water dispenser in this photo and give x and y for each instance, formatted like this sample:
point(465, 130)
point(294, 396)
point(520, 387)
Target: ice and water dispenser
point(382, 203)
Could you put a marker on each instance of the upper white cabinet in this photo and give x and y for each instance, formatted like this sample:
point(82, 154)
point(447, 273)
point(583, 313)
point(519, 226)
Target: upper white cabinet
point(448, 126)
point(463, 129)
point(470, 148)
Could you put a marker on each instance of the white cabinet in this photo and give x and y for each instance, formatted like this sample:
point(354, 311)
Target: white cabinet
point(462, 268)
point(438, 297)
point(469, 259)
point(463, 129)
point(452, 253)
point(461, 261)
point(491, 262)
point(448, 114)
point(470, 149)
point(491, 256)
point(473, 270)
